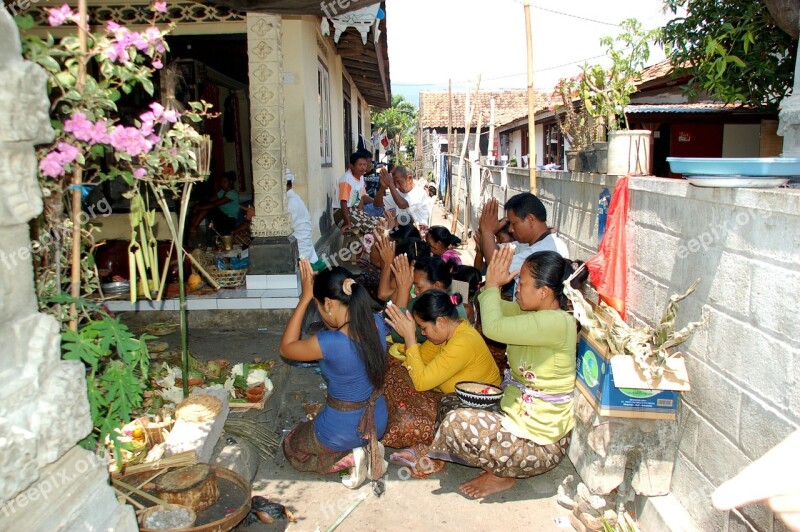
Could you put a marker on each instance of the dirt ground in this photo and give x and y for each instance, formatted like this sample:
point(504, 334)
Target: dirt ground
point(317, 501)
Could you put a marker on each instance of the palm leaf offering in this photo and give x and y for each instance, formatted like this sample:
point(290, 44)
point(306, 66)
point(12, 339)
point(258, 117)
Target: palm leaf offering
point(650, 347)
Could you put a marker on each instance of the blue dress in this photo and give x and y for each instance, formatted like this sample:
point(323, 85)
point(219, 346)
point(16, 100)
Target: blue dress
point(346, 376)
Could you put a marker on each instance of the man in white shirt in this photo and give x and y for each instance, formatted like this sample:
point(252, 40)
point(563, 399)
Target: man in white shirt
point(527, 223)
point(400, 196)
point(301, 224)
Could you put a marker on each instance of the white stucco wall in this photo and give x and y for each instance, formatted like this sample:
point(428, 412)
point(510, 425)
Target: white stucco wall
point(745, 368)
point(539, 132)
point(316, 183)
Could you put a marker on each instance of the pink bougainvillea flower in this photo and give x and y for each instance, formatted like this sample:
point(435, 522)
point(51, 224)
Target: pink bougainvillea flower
point(68, 152)
point(51, 165)
point(80, 126)
point(100, 133)
point(171, 116)
point(157, 64)
point(160, 7)
point(140, 173)
point(58, 16)
point(130, 140)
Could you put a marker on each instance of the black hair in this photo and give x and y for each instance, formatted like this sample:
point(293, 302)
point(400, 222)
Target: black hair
point(403, 231)
point(354, 157)
point(363, 330)
point(437, 304)
point(526, 203)
point(414, 248)
point(550, 269)
point(437, 270)
point(470, 275)
point(440, 233)
point(504, 230)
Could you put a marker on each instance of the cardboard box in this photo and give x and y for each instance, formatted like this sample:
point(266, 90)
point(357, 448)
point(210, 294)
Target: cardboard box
point(616, 388)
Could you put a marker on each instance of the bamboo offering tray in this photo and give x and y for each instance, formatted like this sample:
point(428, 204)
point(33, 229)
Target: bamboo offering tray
point(250, 406)
point(224, 514)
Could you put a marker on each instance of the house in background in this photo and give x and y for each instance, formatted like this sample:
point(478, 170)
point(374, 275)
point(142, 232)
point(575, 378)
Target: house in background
point(437, 112)
point(294, 86)
point(702, 128)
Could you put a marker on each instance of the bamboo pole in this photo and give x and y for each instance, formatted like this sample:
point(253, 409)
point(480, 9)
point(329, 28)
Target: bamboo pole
point(490, 148)
point(531, 101)
point(469, 113)
point(474, 171)
point(77, 176)
point(449, 191)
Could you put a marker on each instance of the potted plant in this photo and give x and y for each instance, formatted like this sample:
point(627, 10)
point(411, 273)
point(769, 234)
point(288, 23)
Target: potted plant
point(576, 124)
point(605, 91)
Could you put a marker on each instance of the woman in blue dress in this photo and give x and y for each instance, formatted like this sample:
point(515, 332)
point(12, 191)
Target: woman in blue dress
point(352, 355)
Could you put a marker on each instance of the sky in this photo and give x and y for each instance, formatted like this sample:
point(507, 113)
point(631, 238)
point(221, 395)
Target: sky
point(431, 41)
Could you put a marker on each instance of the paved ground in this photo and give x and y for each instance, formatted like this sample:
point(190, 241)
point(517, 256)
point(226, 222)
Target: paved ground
point(431, 504)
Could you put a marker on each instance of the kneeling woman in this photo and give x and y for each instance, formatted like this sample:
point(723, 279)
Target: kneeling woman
point(352, 355)
point(452, 352)
point(532, 433)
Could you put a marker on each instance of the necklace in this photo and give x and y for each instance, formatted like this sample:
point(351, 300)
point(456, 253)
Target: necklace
point(342, 325)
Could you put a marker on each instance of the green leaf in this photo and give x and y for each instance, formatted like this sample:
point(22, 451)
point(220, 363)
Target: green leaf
point(24, 22)
point(148, 86)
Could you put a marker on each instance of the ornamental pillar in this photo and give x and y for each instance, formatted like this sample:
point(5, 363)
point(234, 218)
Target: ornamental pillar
point(274, 250)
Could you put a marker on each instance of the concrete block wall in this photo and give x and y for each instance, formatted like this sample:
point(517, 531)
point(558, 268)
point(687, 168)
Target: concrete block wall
point(744, 245)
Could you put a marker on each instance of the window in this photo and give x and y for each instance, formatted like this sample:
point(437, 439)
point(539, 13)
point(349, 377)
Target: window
point(324, 105)
point(360, 120)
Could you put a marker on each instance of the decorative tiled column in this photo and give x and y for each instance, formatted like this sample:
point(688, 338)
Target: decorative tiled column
point(46, 482)
point(274, 250)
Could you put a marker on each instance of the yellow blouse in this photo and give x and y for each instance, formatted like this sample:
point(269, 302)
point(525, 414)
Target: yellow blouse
point(464, 357)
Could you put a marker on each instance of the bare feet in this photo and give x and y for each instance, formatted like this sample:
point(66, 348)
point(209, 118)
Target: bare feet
point(486, 484)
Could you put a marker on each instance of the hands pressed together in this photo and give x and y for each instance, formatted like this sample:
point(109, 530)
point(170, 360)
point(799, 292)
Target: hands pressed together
point(497, 273)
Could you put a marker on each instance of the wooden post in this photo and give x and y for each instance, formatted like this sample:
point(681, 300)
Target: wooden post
point(469, 109)
point(77, 176)
point(531, 101)
point(449, 199)
point(490, 148)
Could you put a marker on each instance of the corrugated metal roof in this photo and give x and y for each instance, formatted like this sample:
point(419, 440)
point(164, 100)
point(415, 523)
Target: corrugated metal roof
point(696, 107)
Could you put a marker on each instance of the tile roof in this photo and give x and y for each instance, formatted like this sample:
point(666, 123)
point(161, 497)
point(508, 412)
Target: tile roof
point(509, 105)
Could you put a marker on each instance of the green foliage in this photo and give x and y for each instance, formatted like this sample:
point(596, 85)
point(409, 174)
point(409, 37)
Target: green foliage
point(733, 50)
point(577, 125)
point(116, 374)
point(605, 91)
point(399, 124)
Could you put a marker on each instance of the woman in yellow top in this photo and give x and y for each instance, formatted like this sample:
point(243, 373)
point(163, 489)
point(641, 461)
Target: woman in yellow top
point(531, 434)
point(454, 351)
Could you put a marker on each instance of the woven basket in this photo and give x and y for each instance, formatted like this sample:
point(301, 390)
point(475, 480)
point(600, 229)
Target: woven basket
point(228, 278)
point(225, 278)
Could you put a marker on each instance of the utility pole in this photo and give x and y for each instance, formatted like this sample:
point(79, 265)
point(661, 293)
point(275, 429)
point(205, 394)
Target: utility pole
point(531, 101)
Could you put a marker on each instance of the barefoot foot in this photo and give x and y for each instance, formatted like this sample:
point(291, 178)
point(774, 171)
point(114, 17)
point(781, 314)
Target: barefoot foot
point(486, 484)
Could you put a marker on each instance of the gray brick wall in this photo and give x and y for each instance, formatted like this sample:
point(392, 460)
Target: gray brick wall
point(745, 369)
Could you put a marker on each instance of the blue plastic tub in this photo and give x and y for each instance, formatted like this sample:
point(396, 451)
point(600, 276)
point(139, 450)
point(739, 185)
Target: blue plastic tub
point(733, 166)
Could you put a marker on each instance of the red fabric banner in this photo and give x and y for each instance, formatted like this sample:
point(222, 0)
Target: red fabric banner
point(608, 270)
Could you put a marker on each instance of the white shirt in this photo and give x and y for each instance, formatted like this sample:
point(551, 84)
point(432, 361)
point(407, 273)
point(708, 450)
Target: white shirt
point(301, 226)
point(419, 205)
point(549, 243)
